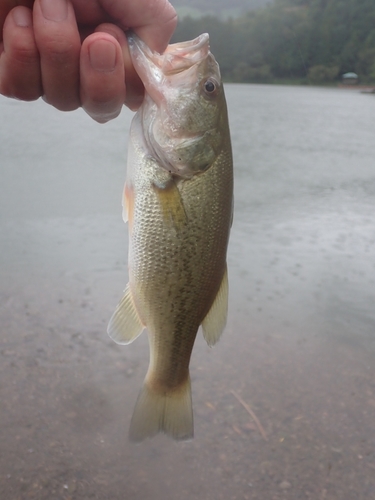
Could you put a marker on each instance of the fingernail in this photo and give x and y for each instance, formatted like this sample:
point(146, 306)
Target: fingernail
point(54, 10)
point(22, 17)
point(102, 55)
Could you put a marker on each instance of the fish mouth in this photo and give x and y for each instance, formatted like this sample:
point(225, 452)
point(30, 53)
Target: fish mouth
point(181, 56)
point(177, 57)
point(179, 62)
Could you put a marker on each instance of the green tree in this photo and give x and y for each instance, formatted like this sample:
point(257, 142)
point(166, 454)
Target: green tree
point(300, 39)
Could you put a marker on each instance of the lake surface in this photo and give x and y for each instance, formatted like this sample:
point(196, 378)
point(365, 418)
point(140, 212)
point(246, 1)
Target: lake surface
point(299, 347)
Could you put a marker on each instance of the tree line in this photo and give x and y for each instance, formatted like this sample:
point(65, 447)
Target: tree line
point(292, 40)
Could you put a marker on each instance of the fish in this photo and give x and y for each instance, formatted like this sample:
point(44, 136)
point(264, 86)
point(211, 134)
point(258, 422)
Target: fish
point(178, 202)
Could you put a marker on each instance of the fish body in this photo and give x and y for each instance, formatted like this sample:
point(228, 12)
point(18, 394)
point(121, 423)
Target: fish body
point(178, 200)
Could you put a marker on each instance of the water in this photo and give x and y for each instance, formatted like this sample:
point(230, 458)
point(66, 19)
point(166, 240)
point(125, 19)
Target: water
point(299, 348)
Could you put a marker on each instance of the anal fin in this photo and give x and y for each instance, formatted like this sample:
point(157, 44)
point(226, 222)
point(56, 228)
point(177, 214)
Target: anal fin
point(215, 321)
point(125, 324)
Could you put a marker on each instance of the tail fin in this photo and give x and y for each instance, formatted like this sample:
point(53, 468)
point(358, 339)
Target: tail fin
point(168, 412)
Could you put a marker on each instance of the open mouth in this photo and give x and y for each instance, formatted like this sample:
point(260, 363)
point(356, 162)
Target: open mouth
point(177, 57)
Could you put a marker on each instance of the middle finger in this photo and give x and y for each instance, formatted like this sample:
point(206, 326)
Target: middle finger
point(58, 42)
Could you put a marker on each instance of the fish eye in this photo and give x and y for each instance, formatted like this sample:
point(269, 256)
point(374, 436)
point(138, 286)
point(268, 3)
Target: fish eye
point(210, 87)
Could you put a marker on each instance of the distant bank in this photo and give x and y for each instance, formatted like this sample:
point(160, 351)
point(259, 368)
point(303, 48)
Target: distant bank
point(286, 41)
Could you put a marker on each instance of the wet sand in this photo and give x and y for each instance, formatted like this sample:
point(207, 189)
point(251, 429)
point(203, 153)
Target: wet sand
point(299, 348)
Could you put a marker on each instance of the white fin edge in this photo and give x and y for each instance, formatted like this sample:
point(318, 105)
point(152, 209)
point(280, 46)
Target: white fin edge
point(214, 323)
point(125, 324)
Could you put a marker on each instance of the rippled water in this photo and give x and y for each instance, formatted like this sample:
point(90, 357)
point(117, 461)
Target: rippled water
point(299, 348)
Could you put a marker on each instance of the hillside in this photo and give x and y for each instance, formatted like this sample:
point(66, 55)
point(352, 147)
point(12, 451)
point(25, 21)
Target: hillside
point(220, 8)
point(312, 41)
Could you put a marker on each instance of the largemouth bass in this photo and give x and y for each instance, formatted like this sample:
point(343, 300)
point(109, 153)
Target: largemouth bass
point(178, 201)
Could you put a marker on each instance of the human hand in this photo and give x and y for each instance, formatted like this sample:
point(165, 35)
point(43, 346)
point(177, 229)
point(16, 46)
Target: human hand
point(74, 52)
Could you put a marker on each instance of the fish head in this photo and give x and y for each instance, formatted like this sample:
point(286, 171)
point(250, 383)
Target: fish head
point(184, 105)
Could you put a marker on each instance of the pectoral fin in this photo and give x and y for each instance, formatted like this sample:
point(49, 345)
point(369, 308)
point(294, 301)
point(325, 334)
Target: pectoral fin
point(125, 324)
point(124, 207)
point(128, 204)
point(214, 322)
point(171, 203)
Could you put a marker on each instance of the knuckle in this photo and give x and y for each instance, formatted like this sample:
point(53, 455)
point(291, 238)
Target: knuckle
point(23, 50)
point(167, 14)
point(62, 97)
point(25, 55)
point(65, 106)
point(15, 91)
point(57, 53)
point(59, 49)
point(27, 95)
